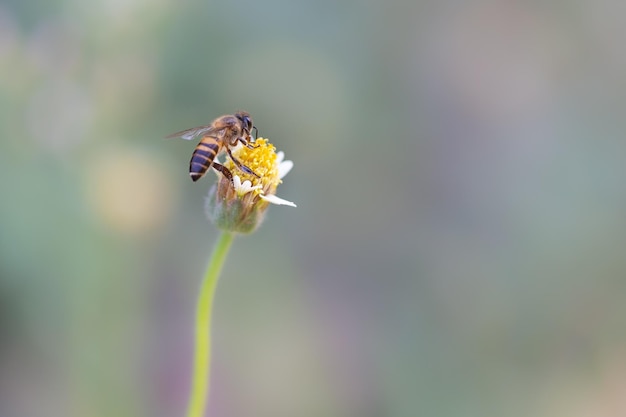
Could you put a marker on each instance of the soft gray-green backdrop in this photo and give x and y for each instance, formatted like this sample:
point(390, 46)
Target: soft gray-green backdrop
point(459, 243)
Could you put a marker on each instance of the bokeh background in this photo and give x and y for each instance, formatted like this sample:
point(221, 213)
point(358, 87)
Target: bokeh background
point(459, 243)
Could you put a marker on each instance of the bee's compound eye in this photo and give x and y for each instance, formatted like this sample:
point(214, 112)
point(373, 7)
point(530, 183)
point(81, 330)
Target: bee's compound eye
point(248, 122)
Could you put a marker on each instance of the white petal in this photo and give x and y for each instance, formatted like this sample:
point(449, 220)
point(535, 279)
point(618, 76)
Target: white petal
point(279, 157)
point(284, 168)
point(277, 200)
point(245, 187)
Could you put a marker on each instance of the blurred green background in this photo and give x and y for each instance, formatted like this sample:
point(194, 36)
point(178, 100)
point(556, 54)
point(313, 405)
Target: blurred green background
point(459, 243)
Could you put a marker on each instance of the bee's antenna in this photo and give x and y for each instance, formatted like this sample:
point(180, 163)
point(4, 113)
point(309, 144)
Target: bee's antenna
point(256, 132)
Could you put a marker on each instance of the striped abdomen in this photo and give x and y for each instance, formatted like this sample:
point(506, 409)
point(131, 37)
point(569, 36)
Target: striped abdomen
point(203, 157)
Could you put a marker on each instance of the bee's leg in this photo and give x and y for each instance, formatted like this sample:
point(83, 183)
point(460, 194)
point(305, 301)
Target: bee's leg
point(225, 171)
point(246, 143)
point(256, 135)
point(251, 146)
point(240, 165)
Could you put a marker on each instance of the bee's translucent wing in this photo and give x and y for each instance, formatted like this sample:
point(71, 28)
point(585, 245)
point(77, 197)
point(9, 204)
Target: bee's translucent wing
point(189, 134)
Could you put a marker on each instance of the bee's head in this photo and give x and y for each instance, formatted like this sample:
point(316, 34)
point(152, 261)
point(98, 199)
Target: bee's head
point(245, 119)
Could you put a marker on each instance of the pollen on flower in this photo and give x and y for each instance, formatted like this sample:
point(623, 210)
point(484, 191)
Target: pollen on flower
point(261, 159)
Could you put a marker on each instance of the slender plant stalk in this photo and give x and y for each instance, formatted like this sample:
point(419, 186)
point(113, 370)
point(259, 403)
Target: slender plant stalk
point(202, 357)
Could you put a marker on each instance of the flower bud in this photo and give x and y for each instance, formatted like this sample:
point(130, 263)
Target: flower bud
point(239, 206)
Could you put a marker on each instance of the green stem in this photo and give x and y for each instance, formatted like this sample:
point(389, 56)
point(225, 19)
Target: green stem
point(202, 358)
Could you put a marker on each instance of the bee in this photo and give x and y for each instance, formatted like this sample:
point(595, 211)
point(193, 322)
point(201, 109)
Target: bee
point(221, 135)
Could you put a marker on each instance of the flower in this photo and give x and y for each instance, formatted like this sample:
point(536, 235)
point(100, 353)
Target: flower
point(240, 205)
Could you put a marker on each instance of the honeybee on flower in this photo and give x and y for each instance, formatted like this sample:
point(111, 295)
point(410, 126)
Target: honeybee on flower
point(221, 135)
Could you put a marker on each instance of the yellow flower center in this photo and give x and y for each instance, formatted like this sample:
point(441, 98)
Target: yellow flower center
point(261, 159)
